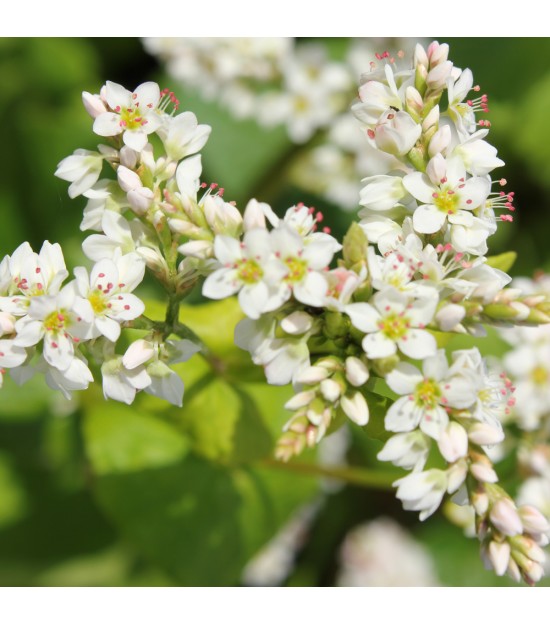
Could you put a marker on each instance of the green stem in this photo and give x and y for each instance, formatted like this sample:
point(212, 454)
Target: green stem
point(351, 475)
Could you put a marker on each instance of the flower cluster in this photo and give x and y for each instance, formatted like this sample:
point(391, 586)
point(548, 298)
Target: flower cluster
point(279, 81)
point(355, 326)
point(412, 267)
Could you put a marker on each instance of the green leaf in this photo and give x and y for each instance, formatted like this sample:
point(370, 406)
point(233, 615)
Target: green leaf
point(198, 521)
point(504, 261)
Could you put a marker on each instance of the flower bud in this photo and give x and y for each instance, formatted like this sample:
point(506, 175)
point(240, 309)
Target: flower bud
point(499, 556)
point(254, 216)
point(312, 375)
point(357, 372)
point(7, 323)
point(437, 77)
point(396, 132)
point(437, 53)
point(138, 353)
point(300, 400)
point(197, 249)
point(453, 442)
point(431, 119)
point(414, 103)
point(485, 434)
point(356, 408)
point(128, 157)
point(382, 193)
point(140, 200)
point(93, 104)
point(330, 390)
point(420, 57)
point(440, 141)
point(456, 474)
point(449, 316)
point(297, 323)
point(533, 520)
point(480, 502)
point(128, 179)
point(504, 516)
point(483, 472)
point(222, 217)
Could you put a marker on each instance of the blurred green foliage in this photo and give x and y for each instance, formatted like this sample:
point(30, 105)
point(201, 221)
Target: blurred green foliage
point(96, 493)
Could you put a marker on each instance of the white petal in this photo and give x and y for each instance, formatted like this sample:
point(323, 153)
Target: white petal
point(377, 345)
point(404, 378)
point(147, 93)
point(135, 139)
point(363, 316)
point(419, 186)
point(428, 219)
point(221, 284)
point(107, 125)
point(418, 344)
point(253, 299)
point(403, 415)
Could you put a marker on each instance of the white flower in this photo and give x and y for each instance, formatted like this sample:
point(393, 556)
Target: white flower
point(61, 320)
point(247, 270)
point(479, 156)
point(395, 132)
point(82, 169)
point(283, 359)
point(408, 450)
point(426, 396)
point(132, 114)
point(118, 234)
point(11, 355)
point(33, 275)
point(303, 265)
point(182, 135)
point(139, 197)
point(423, 491)
point(121, 383)
point(394, 322)
point(76, 377)
point(108, 289)
point(382, 193)
point(446, 196)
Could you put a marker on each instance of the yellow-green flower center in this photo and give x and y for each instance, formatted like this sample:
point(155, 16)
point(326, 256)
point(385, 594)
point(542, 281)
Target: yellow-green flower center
point(539, 375)
point(56, 321)
point(446, 200)
point(297, 269)
point(97, 300)
point(427, 393)
point(394, 326)
point(249, 271)
point(131, 118)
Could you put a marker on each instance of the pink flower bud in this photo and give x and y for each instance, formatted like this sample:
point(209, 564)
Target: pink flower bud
point(483, 473)
point(533, 520)
point(93, 104)
point(437, 53)
point(437, 77)
point(504, 516)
